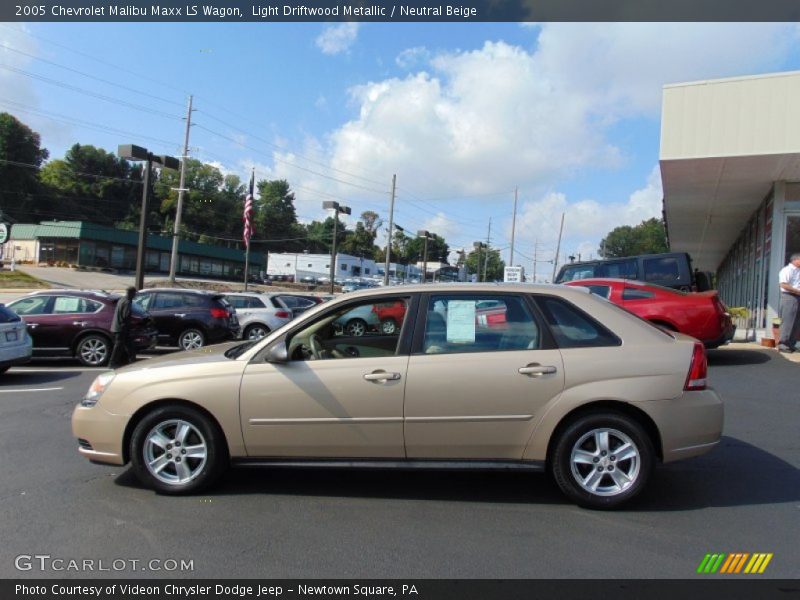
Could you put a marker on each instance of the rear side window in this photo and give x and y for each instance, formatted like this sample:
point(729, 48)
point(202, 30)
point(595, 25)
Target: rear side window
point(296, 302)
point(573, 328)
point(71, 304)
point(8, 316)
point(619, 269)
point(664, 270)
point(603, 291)
point(636, 294)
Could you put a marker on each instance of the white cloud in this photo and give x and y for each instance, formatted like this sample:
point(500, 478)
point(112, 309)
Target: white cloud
point(464, 123)
point(411, 57)
point(586, 221)
point(336, 39)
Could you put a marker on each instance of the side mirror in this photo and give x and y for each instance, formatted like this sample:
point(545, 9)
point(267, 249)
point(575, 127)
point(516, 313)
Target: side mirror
point(278, 353)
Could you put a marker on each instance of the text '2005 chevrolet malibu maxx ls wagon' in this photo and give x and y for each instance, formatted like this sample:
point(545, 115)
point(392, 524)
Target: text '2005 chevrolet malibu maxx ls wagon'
point(564, 381)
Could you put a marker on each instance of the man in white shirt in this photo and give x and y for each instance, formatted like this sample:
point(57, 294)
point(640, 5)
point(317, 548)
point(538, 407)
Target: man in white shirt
point(789, 279)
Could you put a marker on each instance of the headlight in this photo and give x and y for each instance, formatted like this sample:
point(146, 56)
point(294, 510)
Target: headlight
point(97, 388)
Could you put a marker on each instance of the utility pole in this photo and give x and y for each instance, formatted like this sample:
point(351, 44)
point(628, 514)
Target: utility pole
point(488, 242)
point(558, 249)
point(535, 257)
point(513, 229)
point(391, 230)
point(173, 263)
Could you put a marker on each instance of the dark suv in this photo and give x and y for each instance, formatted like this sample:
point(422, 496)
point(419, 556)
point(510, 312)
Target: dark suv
point(78, 323)
point(189, 319)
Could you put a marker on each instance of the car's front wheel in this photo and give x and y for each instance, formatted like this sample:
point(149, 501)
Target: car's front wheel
point(191, 339)
point(389, 326)
point(177, 450)
point(93, 350)
point(602, 460)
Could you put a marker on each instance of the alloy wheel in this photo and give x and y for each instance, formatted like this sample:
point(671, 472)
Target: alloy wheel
point(175, 452)
point(605, 462)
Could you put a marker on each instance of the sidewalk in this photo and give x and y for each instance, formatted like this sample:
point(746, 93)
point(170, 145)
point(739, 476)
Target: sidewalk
point(794, 357)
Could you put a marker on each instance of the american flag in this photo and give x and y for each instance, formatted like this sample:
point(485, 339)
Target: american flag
point(248, 210)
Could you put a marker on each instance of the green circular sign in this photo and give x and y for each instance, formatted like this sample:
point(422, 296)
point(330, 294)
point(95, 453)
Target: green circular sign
point(3, 233)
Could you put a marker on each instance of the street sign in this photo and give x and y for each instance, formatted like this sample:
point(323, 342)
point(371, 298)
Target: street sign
point(514, 274)
point(3, 233)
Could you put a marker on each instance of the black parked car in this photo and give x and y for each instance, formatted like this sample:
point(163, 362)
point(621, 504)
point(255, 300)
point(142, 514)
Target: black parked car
point(189, 319)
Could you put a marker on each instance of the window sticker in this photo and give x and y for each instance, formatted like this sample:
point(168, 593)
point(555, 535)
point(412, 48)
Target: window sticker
point(66, 305)
point(461, 321)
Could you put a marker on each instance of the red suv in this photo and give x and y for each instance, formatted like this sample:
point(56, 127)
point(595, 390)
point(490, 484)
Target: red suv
point(701, 315)
point(78, 324)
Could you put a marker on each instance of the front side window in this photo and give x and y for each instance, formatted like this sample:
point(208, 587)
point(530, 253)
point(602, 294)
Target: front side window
point(603, 291)
point(460, 323)
point(37, 305)
point(350, 332)
point(167, 300)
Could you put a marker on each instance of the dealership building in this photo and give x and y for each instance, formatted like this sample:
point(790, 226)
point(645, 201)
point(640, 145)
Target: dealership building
point(85, 244)
point(730, 169)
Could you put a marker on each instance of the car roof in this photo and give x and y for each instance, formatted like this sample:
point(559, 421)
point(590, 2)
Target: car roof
point(495, 288)
point(96, 294)
point(183, 290)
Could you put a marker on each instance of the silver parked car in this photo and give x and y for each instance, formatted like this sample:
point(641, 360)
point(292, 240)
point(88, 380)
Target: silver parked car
point(16, 346)
point(553, 379)
point(259, 314)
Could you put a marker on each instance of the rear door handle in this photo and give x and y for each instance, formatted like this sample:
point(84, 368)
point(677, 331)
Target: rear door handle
point(79, 323)
point(536, 370)
point(180, 315)
point(33, 325)
point(381, 376)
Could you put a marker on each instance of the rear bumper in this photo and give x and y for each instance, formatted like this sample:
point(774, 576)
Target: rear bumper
point(14, 362)
point(727, 336)
point(689, 425)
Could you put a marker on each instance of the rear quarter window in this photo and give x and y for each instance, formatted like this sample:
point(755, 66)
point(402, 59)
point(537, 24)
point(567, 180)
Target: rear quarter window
point(574, 328)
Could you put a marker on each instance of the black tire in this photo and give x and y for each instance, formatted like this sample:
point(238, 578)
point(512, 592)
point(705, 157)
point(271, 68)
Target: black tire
point(202, 432)
point(93, 350)
point(388, 326)
point(252, 329)
point(355, 327)
point(191, 339)
point(580, 436)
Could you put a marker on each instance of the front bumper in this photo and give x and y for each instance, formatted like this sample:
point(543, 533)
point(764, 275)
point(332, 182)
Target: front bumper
point(102, 431)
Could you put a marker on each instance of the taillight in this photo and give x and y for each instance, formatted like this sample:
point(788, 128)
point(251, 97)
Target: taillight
point(282, 314)
point(698, 370)
point(219, 313)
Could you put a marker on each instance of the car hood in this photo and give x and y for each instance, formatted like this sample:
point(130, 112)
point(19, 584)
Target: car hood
point(208, 354)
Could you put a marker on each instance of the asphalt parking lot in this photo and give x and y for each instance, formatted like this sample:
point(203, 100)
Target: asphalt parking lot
point(743, 497)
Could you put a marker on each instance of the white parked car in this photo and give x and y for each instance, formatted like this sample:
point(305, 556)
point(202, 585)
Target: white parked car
point(15, 343)
point(259, 314)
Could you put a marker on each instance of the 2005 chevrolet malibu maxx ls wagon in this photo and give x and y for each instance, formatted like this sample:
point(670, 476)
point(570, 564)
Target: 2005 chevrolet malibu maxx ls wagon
point(566, 381)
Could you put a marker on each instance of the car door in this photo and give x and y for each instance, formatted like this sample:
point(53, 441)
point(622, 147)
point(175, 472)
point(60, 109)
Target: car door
point(168, 313)
point(476, 386)
point(71, 315)
point(342, 405)
point(36, 312)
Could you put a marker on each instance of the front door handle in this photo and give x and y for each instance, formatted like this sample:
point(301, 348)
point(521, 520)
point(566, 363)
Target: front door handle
point(537, 370)
point(79, 323)
point(381, 376)
point(181, 315)
point(33, 325)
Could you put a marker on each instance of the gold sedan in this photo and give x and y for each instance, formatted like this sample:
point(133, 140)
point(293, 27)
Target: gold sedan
point(474, 375)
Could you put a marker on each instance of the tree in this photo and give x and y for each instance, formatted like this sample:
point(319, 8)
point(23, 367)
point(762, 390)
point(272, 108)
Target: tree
point(371, 221)
point(94, 185)
point(438, 250)
point(21, 155)
point(494, 268)
point(276, 218)
point(649, 237)
point(359, 242)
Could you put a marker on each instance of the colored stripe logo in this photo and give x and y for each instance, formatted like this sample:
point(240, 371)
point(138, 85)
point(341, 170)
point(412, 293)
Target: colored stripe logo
point(735, 563)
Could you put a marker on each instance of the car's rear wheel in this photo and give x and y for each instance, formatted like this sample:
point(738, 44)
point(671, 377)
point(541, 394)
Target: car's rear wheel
point(602, 460)
point(177, 450)
point(355, 327)
point(389, 326)
point(255, 332)
point(93, 350)
point(191, 339)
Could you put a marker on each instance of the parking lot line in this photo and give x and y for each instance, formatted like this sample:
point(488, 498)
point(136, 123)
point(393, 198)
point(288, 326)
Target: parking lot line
point(56, 369)
point(50, 389)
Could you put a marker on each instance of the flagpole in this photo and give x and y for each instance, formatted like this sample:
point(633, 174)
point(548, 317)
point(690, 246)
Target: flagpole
point(248, 230)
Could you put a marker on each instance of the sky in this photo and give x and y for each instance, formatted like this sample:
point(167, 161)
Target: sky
point(568, 114)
